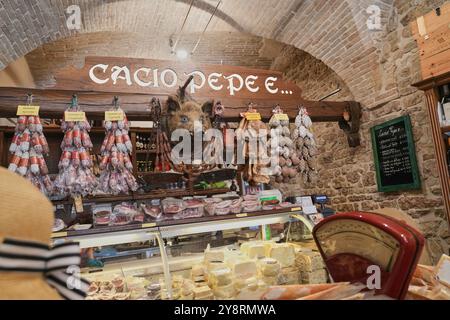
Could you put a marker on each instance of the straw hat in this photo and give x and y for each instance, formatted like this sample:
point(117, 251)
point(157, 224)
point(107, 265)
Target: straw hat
point(25, 214)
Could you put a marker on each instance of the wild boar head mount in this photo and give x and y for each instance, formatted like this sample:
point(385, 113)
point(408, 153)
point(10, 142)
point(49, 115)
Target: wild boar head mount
point(183, 111)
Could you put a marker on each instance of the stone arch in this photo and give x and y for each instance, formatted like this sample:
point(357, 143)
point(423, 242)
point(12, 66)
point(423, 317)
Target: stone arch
point(343, 43)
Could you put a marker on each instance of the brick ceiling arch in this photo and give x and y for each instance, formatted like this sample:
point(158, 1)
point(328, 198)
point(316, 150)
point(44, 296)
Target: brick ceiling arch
point(334, 32)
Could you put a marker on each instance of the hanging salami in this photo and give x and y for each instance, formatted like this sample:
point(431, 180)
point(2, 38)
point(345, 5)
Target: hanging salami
point(305, 146)
point(28, 147)
point(116, 167)
point(75, 177)
point(282, 148)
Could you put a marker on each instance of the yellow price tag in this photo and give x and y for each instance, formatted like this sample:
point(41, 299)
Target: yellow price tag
point(296, 209)
point(59, 234)
point(78, 201)
point(148, 225)
point(281, 116)
point(114, 115)
point(253, 116)
point(28, 110)
point(74, 116)
point(241, 215)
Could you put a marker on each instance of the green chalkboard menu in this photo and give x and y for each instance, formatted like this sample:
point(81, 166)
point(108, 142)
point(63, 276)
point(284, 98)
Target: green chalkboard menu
point(395, 155)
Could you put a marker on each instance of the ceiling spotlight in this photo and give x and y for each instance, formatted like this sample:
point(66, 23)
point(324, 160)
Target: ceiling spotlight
point(182, 54)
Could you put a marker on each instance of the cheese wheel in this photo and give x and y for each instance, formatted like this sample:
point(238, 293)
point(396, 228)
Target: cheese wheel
point(269, 267)
point(220, 277)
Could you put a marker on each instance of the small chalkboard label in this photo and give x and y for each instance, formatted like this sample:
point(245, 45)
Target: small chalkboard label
point(395, 156)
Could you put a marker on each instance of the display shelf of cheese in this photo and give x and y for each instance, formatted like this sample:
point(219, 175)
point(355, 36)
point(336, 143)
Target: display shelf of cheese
point(224, 273)
point(171, 228)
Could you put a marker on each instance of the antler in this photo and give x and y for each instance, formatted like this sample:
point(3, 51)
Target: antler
point(182, 90)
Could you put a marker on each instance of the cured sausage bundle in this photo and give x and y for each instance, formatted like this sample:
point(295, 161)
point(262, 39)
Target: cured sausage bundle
point(255, 168)
point(282, 148)
point(116, 165)
point(28, 147)
point(305, 146)
point(75, 175)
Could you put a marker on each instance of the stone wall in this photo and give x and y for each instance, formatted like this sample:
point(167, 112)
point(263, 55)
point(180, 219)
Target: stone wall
point(347, 174)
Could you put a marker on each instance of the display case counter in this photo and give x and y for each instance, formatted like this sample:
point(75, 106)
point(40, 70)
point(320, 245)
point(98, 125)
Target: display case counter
point(171, 228)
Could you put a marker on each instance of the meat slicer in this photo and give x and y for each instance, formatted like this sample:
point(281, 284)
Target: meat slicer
point(351, 244)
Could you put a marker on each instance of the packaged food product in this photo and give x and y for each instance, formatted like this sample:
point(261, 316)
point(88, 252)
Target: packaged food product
point(123, 214)
point(251, 205)
point(223, 208)
point(172, 206)
point(210, 205)
point(235, 206)
point(102, 214)
point(154, 211)
point(193, 208)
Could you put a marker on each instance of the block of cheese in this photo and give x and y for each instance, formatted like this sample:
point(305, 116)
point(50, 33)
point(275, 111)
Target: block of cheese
point(243, 283)
point(201, 292)
point(268, 267)
point(267, 246)
point(200, 283)
point(187, 297)
point(197, 270)
point(308, 261)
point(198, 278)
point(214, 255)
point(224, 292)
point(256, 251)
point(220, 277)
point(245, 269)
point(187, 287)
point(289, 276)
point(270, 281)
point(214, 265)
point(283, 253)
point(246, 245)
point(314, 277)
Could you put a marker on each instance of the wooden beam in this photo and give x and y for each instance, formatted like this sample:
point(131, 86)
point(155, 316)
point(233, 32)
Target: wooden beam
point(53, 102)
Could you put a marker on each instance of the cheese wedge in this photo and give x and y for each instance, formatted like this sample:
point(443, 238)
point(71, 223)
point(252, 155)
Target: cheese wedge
point(283, 253)
point(289, 276)
point(309, 261)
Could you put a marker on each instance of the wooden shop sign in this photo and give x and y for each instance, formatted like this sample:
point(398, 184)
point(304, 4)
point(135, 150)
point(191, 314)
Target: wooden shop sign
point(110, 74)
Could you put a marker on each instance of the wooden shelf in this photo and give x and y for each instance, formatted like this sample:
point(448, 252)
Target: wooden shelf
point(156, 194)
point(445, 129)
